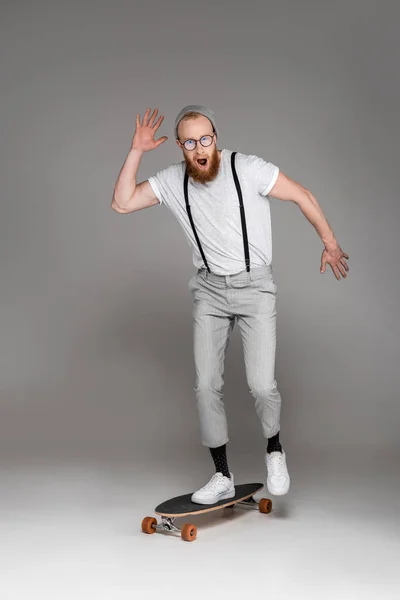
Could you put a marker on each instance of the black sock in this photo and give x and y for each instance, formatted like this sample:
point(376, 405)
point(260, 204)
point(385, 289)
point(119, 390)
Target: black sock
point(220, 460)
point(274, 444)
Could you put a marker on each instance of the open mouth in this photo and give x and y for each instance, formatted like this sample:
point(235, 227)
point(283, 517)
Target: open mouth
point(202, 162)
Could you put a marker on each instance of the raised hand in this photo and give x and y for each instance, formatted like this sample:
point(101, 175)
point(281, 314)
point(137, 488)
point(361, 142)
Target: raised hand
point(143, 139)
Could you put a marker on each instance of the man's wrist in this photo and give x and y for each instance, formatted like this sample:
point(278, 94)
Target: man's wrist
point(330, 242)
point(136, 150)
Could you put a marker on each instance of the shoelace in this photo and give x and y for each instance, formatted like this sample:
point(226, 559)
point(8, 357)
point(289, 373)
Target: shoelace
point(277, 465)
point(212, 484)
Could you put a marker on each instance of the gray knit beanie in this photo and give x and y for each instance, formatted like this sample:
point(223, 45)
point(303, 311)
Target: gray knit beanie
point(203, 110)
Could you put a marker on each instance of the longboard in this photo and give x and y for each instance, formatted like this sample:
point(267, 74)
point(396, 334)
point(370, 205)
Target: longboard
point(182, 506)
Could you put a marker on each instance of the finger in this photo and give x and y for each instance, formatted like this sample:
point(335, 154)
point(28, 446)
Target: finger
point(146, 117)
point(342, 270)
point(137, 121)
point(160, 120)
point(346, 255)
point(344, 263)
point(161, 141)
point(323, 265)
point(153, 116)
point(336, 273)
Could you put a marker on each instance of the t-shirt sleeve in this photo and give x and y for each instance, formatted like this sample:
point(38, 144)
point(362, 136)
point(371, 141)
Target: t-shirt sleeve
point(154, 181)
point(164, 183)
point(264, 173)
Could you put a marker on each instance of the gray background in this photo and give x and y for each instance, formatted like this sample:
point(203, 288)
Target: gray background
point(96, 346)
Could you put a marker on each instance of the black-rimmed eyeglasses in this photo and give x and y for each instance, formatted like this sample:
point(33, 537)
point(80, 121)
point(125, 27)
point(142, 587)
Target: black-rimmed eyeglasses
point(205, 141)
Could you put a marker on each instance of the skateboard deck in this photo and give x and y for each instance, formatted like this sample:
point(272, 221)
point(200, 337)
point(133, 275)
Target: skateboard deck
point(182, 506)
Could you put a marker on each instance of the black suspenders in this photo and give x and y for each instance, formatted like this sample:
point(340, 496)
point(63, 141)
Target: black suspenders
point(242, 215)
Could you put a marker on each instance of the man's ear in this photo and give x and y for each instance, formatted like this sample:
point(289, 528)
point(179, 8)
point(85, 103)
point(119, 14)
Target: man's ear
point(178, 143)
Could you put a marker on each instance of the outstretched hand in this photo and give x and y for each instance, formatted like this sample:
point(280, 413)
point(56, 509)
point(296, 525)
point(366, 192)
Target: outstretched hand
point(143, 139)
point(335, 257)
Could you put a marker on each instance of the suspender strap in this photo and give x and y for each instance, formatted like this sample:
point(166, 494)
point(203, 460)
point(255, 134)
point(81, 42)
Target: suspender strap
point(185, 187)
point(242, 213)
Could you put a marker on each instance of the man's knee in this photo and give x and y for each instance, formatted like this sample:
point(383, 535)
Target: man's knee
point(265, 390)
point(208, 396)
point(207, 384)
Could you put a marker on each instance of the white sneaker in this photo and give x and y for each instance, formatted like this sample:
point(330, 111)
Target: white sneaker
point(278, 480)
point(218, 488)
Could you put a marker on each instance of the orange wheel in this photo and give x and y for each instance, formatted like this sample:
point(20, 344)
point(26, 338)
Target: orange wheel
point(265, 505)
point(149, 525)
point(189, 532)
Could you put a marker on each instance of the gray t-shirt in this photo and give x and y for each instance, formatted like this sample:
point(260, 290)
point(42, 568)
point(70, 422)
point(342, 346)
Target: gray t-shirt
point(216, 212)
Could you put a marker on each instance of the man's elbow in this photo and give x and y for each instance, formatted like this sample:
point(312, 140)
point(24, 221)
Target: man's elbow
point(309, 196)
point(116, 207)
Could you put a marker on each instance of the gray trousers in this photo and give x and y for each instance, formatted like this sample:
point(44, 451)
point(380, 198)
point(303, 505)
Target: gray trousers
point(219, 301)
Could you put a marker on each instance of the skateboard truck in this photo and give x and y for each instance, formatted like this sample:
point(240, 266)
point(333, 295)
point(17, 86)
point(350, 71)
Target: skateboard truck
point(167, 526)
